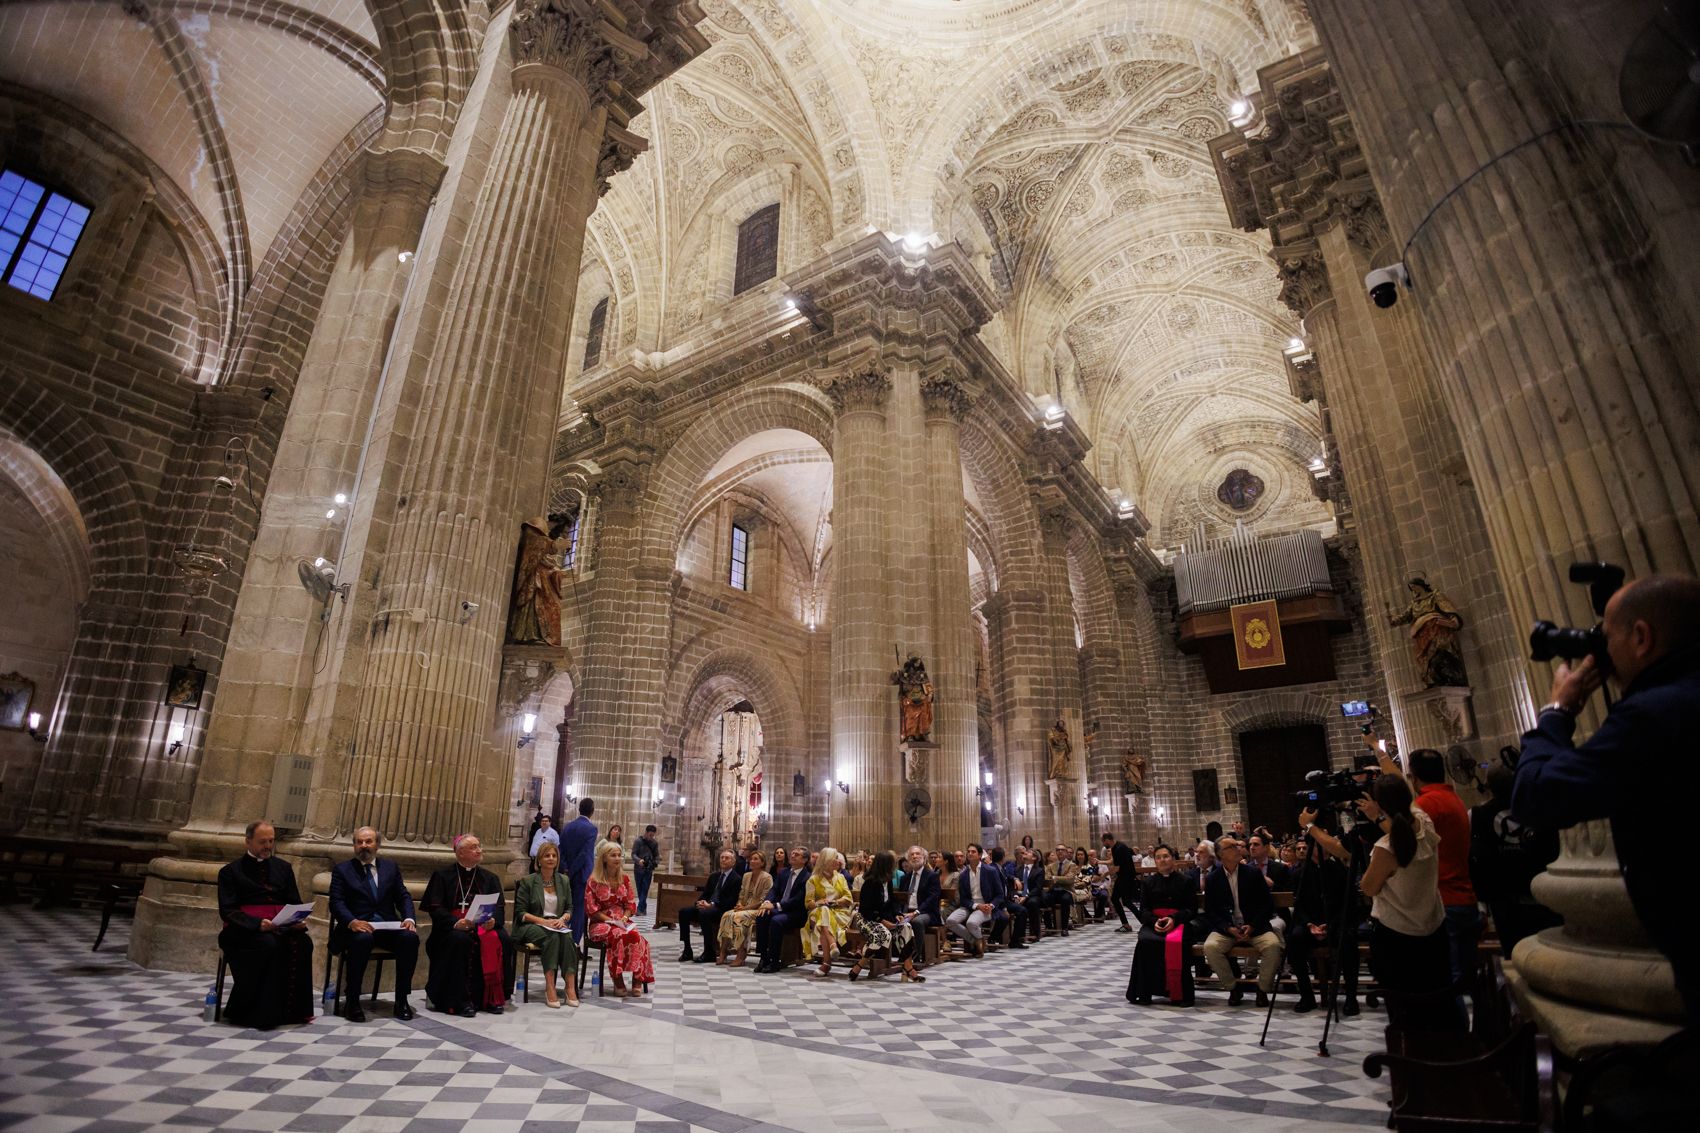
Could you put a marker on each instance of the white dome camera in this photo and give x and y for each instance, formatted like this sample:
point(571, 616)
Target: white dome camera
point(1383, 284)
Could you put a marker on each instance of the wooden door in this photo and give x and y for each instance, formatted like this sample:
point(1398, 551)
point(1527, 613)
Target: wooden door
point(1273, 764)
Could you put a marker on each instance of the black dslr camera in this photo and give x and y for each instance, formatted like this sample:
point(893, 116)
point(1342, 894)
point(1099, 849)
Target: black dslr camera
point(1335, 790)
point(1548, 641)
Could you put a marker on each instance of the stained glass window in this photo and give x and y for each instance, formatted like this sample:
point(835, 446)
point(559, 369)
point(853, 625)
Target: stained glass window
point(758, 249)
point(739, 575)
point(593, 337)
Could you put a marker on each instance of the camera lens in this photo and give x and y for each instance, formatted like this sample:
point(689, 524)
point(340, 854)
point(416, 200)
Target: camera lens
point(1384, 294)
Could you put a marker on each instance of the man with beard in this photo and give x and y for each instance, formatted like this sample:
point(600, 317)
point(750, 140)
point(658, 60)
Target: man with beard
point(365, 890)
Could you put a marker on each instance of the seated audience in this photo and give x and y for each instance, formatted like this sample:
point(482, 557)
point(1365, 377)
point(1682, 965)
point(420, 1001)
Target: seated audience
point(364, 889)
point(1094, 885)
point(1162, 959)
point(884, 932)
point(471, 964)
point(829, 903)
point(979, 899)
point(543, 908)
point(1238, 906)
point(271, 968)
point(783, 910)
point(610, 903)
point(719, 894)
point(740, 921)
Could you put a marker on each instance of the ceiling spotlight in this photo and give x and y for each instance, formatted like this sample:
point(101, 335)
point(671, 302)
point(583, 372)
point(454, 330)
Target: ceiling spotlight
point(1240, 108)
point(1292, 345)
point(330, 513)
point(319, 563)
point(802, 303)
point(405, 257)
point(340, 498)
point(915, 241)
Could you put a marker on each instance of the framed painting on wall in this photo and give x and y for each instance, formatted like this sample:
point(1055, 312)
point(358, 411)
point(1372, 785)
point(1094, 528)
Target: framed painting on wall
point(16, 692)
point(1204, 794)
point(183, 688)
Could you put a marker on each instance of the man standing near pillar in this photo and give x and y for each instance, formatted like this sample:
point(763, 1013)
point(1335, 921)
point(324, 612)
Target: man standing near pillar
point(578, 858)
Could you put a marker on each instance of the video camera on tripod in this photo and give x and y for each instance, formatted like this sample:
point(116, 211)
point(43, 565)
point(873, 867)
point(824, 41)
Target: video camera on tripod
point(1338, 790)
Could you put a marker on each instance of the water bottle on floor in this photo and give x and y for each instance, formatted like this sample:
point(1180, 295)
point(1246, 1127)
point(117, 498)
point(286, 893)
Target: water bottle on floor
point(211, 1009)
point(519, 987)
point(330, 999)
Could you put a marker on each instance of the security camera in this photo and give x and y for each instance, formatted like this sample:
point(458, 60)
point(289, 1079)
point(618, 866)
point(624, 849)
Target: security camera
point(467, 609)
point(1383, 284)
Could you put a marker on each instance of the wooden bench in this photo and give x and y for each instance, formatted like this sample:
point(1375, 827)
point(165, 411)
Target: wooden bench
point(673, 892)
point(54, 871)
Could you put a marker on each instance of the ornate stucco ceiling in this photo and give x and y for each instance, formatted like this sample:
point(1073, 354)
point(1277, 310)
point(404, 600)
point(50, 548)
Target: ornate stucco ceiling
point(1062, 142)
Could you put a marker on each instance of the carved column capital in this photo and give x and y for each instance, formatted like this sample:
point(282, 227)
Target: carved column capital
point(945, 395)
point(1055, 525)
point(1361, 215)
point(1304, 277)
point(621, 486)
point(863, 389)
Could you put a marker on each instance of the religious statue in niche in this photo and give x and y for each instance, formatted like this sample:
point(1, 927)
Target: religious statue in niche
point(1240, 490)
point(1062, 751)
point(1133, 773)
point(1434, 623)
point(534, 614)
point(914, 701)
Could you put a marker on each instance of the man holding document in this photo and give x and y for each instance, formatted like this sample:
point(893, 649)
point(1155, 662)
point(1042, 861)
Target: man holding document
point(265, 936)
point(371, 906)
point(471, 956)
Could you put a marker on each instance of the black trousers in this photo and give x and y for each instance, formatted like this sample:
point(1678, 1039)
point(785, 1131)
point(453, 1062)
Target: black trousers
point(271, 976)
point(770, 935)
point(357, 951)
point(1124, 896)
point(709, 919)
point(1025, 913)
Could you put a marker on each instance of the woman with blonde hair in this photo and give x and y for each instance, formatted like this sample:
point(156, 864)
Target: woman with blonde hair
point(736, 925)
point(827, 898)
point(610, 903)
point(543, 912)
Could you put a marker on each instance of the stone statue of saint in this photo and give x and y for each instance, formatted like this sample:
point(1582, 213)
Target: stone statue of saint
point(1434, 623)
point(1062, 751)
point(914, 700)
point(1133, 773)
point(534, 614)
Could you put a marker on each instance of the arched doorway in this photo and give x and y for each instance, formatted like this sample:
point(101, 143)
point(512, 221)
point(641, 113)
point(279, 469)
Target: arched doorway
point(1273, 765)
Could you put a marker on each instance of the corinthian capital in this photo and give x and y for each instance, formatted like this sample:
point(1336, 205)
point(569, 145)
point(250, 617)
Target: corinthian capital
point(618, 48)
point(1304, 277)
point(862, 389)
point(945, 391)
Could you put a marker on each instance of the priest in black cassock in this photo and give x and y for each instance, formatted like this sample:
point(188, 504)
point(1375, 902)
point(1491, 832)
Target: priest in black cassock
point(272, 968)
point(471, 965)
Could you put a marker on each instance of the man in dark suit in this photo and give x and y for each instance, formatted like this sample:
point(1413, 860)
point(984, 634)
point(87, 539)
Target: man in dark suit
point(718, 897)
point(1027, 899)
point(783, 910)
point(1279, 877)
point(979, 900)
point(1124, 891)
point(1237, 910)
point(918, 896)
point(365, 889)
point(578, 858)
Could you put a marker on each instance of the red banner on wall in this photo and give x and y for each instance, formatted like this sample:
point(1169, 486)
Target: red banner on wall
point(1257, 635)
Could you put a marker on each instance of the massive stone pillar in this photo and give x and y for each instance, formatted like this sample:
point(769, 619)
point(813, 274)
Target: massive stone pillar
point(1063, 798)
point(956, 816)
point(1557, 362)
point(459, 440)
point(863, 750)
point(1301, 176)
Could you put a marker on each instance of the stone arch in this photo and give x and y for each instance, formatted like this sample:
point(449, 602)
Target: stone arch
point(676, 476)
point(102, 490)
point(429, 53)
point(1011, 524)
point(719, 671)
point(1277, 708)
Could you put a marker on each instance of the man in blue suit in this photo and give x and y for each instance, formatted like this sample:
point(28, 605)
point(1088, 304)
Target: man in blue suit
point(367, 889)
point(783, 910)
point(1026, 904)
point(979, 899)
point(918, 896)
point(578, 858)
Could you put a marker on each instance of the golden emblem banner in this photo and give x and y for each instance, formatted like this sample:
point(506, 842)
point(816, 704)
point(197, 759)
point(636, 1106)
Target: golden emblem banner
point(1257, 635)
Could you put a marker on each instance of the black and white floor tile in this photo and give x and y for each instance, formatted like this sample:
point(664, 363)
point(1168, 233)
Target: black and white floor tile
point(1040, 1040)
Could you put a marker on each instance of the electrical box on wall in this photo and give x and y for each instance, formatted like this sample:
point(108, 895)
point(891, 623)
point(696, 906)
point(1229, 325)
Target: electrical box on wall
point(292, 780)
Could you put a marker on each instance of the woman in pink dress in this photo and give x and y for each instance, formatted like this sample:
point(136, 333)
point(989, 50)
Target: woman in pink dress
point(610, 902)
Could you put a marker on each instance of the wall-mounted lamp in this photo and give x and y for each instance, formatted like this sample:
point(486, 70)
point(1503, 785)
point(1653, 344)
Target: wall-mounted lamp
point(174, 737)
point(802, 303)
point(36, 732)
point(527, 728)
point(843, 786)
point(1021, 805)
point(572, 793)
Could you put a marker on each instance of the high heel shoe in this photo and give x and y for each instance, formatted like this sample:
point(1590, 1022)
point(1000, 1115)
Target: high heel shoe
point(855, 971)
point(910, 976)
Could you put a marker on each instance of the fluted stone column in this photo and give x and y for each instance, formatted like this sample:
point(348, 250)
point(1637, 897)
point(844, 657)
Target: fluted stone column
point(1018, 633)
point(1066, 812)
point(1576, 411)
point(955, 764)
point(863, 750)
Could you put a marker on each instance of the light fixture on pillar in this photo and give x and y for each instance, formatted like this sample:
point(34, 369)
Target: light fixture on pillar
point(802, 303)
point(1241, 112)
point(572, 793)
point(826, 784)
point(404, 257)
point(1021, 805)
point(174, 737)
point(527, 728)
point(916, 241)
point(36, 732)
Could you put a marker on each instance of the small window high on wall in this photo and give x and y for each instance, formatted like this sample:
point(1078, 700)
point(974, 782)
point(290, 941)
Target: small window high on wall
point(739, 575)
point(758, 249)
point(38, 232)
point(593, 337)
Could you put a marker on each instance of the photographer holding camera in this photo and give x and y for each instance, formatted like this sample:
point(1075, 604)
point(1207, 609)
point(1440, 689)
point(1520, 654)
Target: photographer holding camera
point(1649, 641)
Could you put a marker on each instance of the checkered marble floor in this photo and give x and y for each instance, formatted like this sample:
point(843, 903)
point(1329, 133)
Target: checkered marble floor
point(1041, 1040)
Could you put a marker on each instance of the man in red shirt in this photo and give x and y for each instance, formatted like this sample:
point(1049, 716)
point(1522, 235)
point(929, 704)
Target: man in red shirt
point(1437, 799)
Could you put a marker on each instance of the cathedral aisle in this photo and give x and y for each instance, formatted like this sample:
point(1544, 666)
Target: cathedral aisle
point(1038, 1042)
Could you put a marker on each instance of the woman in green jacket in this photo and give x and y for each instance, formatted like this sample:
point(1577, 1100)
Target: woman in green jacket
point(543, 908)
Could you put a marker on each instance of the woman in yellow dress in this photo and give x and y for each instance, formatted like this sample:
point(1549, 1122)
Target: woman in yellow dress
point(828, 902)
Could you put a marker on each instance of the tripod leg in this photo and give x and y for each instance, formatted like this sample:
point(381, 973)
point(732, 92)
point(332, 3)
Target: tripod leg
point(1267, 1015)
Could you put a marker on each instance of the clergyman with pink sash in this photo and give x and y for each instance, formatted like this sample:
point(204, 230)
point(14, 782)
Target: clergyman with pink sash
point(1162, 959)
point(472, 961)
